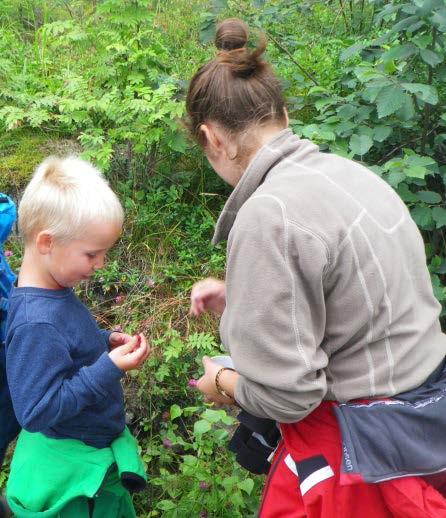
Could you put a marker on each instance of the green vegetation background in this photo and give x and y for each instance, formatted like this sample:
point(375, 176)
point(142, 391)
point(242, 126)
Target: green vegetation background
point(106, 78)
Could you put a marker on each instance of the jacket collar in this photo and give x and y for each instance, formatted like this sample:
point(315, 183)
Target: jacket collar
point(263, 161)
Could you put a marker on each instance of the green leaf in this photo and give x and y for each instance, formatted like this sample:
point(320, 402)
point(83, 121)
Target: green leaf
point(381, 133)
point(429, 196)
point(416, 171)
point(370, 93)
point(405, 23)
point(178, 142)
point(419, 160)
point(407, 111)
point(395, 178)
point(439, 18)
point(406, 194)
point(400, 52)
point(422, 216)
point(213, 416)
point(351, 51)
point(207, 29)
point(202, 426)
point(175, 411)
point(422, 40)
point(360, 144)
point(246, 485)
point(348, 111)
point(430, 57)
point(166, 505)
point(189, 460)
point(366, 73)
point(425, 7)
point(426, 93)
point(390, 100)
point(439, 215)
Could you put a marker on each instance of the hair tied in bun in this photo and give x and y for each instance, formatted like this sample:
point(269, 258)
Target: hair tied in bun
point(230, 39)
point(231, 34)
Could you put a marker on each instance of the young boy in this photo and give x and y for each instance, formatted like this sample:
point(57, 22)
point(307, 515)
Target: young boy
point(74, 457)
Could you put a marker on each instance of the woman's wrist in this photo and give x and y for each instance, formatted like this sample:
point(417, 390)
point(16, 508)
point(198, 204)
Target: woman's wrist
point(225, 382)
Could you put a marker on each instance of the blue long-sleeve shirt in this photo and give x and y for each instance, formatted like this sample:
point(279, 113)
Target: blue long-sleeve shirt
point(61, 379)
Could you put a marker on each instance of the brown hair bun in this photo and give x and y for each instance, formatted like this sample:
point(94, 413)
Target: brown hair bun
point(231, 34)
point(231, 38)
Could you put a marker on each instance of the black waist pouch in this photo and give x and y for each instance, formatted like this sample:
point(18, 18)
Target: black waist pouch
point(254, 441)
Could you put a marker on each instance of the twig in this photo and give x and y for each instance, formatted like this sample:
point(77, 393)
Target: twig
point(343, 15)
point(288, 53)
point(390, 153)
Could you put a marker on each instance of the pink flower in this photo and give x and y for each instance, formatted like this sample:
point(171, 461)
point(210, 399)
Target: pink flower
point(192, 383)
point(150, 283)
point(204, 486)
point(7, 253)
point(117, 328)
point(167, 443)
point(119, 299)
point(203, 514)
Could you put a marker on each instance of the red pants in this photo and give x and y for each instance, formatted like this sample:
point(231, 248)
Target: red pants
point(304, 480)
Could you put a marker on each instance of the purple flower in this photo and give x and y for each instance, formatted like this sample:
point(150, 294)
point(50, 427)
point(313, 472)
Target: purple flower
point(203, 514)
point(7, 253)
point(204, 486)
point(192, 383)
point(150, 283)
point(117, 328)
point(167, 443)
point(119, 299)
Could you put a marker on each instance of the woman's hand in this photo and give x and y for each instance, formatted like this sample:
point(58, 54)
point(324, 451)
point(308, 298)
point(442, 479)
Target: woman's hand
point(206, 384)
point(130, 355)
point(208, 295)
point(117, 338)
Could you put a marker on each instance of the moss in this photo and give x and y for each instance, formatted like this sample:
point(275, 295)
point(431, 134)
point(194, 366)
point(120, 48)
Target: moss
point(19, 154)
point(21, 151)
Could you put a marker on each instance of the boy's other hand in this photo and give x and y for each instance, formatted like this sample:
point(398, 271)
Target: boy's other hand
point(117, 338)
point(208, 295)
point(131, 354)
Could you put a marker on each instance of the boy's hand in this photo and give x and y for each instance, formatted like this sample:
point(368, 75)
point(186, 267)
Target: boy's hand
point(117, 338)
point(208, 295)
point(130, 355)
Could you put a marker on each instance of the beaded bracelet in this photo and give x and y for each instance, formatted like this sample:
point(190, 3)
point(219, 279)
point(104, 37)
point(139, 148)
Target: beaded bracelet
point(217, 382)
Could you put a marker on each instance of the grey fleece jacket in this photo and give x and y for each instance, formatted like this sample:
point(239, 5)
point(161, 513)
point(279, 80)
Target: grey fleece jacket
point(327, 291)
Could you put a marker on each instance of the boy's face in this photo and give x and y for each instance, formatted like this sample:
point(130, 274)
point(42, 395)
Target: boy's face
point(72, 262)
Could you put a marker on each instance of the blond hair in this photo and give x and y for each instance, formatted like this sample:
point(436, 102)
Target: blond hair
point(64, 196)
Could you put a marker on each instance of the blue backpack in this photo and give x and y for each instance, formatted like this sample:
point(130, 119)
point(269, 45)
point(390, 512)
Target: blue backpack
point(8, 423)
point(8, 216)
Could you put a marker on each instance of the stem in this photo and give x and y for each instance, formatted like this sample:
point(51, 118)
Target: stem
point(372, 17)
point(427, 107)
point(343, 14)
point(362, 15)
point(288, 53)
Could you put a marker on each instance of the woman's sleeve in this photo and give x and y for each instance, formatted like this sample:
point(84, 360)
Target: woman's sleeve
point(274, 320)
point(44, 389)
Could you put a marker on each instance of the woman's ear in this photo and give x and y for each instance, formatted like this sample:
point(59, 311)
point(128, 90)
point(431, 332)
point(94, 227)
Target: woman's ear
point(211, 140)
point(44, 240)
